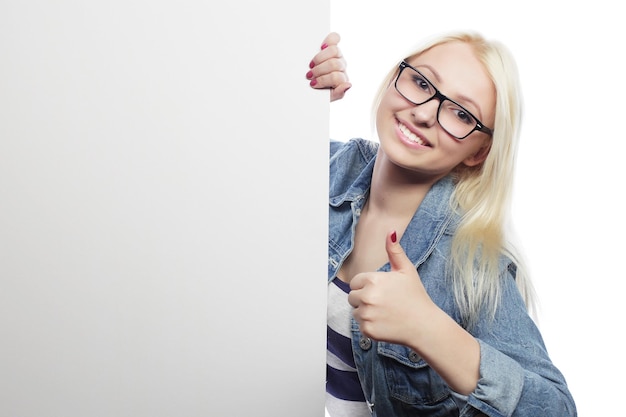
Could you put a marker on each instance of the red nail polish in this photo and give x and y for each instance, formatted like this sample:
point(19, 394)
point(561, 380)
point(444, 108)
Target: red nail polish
point(324, 46)
point(309, 75)
point(311, 64)
point(313, 83)
point(394, 237)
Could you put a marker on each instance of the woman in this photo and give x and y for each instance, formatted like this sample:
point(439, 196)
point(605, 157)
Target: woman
point(437, 322)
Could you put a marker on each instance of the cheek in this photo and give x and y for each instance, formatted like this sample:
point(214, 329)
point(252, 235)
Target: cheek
point(390, 105)
point(456, 149)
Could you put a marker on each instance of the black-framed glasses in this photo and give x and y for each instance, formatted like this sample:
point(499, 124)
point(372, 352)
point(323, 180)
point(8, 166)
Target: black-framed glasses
point(451, 116)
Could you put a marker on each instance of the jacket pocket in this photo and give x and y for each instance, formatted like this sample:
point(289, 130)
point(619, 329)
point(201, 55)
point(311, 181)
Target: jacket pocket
point(411, 380)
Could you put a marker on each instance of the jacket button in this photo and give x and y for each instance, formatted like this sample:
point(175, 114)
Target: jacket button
point(365, 343)
point(414, 357)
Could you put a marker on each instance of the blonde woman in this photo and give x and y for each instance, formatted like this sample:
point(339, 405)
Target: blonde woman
point(428, 308)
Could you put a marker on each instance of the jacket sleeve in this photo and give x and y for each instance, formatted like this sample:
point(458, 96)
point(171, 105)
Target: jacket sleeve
point(517, 377)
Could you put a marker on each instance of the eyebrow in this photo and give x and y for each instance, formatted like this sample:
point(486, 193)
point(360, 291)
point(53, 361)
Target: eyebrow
point(460, 98)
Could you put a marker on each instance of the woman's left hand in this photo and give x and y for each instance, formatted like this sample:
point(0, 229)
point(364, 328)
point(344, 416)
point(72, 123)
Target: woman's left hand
point(395, 307)
point(390, 306)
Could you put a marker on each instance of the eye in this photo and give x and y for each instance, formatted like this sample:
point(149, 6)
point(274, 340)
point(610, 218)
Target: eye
point(458, 114)
point(463, 116)
point(421, 82)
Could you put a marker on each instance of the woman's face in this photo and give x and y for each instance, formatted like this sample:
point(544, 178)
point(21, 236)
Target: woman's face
point(410, 134)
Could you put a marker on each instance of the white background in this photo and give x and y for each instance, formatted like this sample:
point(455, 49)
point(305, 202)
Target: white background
point(163, 209)
point(568, 208)
point(138, 192)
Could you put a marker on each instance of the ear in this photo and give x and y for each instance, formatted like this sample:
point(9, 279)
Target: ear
point(479, 156)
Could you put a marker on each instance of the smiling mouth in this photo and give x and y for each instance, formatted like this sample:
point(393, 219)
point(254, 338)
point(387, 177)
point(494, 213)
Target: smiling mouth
point(411, 136)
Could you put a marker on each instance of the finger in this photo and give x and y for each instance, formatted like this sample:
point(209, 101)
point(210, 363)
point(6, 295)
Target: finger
point(360, 314)
point(327, 64)
point(397, 258)
point(354, 298)
point(332, 38)
point(339, 92)
point(331, 80)
point(328, 74)
point(330, 54)
point(358, 281)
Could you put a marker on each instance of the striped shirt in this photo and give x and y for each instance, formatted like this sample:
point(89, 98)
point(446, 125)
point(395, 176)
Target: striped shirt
point(344, 396)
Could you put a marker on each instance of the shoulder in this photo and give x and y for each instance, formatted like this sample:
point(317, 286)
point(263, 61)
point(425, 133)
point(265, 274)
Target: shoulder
point(350, 170)
point(360, 148)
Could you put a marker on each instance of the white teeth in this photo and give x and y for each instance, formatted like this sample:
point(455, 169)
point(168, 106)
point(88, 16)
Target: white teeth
point(410, 135)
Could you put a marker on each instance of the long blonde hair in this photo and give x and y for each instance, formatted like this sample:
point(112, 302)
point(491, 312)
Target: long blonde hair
point(483, 193)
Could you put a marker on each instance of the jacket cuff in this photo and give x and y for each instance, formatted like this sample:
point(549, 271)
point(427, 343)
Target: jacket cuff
point(499, 387)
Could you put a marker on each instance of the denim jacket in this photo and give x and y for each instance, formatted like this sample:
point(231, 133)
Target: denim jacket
point(517, 377)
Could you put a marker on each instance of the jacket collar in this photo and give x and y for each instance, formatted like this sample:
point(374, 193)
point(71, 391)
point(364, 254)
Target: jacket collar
point(351, 172)
point(433, 218)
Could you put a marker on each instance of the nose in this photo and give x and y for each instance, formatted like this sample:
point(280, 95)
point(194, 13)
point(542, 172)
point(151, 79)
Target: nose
point(426, 114)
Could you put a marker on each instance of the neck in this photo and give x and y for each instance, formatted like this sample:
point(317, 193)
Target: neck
point(396, 192)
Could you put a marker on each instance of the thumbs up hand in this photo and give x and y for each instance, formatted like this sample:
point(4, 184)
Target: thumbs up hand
point(389, 306)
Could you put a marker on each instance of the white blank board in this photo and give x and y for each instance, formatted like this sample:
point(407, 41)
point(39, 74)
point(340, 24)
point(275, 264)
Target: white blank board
point(163, 217)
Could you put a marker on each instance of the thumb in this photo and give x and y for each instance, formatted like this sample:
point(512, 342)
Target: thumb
point(338, 92)
point(397, 258)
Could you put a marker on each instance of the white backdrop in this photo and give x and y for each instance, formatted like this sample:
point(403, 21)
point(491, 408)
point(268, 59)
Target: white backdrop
point(137, 195)
point(567, 203)
point(163, 209)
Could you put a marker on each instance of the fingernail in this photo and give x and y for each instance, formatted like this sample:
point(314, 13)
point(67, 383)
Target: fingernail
point(394, 237)
point(311, 64)
point(313, 83)
point(309, 75)
point(324, 46)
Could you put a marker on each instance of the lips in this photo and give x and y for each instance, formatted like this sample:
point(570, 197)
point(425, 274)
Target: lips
point(412, 136)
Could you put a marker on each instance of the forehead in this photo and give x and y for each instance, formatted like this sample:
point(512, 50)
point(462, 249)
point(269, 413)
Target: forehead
point(459, 74)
